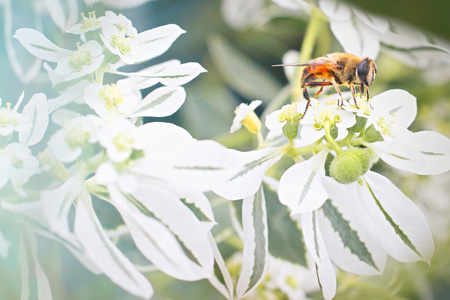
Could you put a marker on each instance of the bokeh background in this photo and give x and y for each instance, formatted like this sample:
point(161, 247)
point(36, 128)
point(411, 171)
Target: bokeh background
point(238, 59)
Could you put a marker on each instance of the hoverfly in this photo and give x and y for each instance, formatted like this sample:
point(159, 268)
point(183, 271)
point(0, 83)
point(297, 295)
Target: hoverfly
point(336, 69)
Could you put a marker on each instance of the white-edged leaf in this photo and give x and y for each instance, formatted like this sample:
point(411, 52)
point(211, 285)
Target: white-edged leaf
point(161, 102)
point(4, 246)
point(256, 245)
point(423, 152)
point(397, 224)
point(247, 179)
point(156, 41)
point(316, 247)
point(224, 285)
point(350, 247)
point(144, 78)
point(102, 251)
point(168, 73)
point(241, 72)
point(38, 45)
point(56, 204)
point(285, 236)
point(301, 186)
point(166, 231)
point(37, 112)
point(31, 270)
point(58, 13)
point(356, 37)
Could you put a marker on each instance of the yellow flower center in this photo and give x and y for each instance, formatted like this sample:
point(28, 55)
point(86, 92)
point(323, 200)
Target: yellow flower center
point(385, 125)
point(123, 142)
point(90, 21)
point(7, 116)
point(79, 59)
point(77, 138)
point(112, 95)
point(289, 113)
point(122, 41)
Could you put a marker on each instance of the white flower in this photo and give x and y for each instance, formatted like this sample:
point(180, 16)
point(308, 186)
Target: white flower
point(87, 24)
point(17, 165)
point(321, 113)
point(11, 120)
point(122, 39)
point(245, 114)
point(120, 139)
point(68, 143)
point(393, 112)
point(112, 100)
point(86, 60)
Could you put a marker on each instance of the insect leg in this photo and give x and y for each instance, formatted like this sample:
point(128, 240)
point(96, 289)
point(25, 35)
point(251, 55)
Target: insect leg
point(368, 97)
point(318, 92)
point(338, 90)
point(306, 96)
point(352, 89)
point(361, 87)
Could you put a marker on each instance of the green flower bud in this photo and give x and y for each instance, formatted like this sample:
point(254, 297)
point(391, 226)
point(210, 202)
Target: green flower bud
point(372, 135)
point(359, 125)
point(349, 165)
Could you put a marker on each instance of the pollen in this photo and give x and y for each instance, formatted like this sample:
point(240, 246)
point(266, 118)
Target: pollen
point(289, 113)
point(122, 41)
point(112, 95)
point(123, 142)
point(7, 116)
point(385, 125)
point(79, 59)
point(77, 138)
point(90, 21)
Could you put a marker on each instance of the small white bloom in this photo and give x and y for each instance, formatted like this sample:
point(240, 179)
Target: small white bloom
point(120, 138)
point(112, 100)
point(243, 112)
point(86, 60)
point(17, 165)
point(68, 143)
point(119, 36)
point(320, 113)
point(393, 112)
point(11, 120)
point(87, 24)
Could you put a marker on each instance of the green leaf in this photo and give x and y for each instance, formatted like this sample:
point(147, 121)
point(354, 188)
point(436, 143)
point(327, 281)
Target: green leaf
point(349, 237)
point(285, 237)
point(241, 72)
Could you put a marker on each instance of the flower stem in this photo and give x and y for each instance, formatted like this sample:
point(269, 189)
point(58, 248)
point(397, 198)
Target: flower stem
point(330, 139)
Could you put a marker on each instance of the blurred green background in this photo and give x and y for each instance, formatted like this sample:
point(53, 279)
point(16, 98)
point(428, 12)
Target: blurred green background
point(239, 70)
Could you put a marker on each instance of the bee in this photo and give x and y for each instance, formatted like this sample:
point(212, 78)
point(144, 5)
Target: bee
point(336, 69)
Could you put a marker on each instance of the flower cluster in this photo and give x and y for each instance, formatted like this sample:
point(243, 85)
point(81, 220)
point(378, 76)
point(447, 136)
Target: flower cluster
point(346, 211)
point(155, 174)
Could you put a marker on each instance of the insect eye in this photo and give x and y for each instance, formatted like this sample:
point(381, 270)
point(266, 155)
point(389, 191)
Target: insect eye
point(366, 71)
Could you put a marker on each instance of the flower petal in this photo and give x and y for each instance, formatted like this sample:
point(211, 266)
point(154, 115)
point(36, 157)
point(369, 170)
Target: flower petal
point(161, 102)
point(394, 220)
point(37, 112)
point(102, 251)
point(315, 244)
point(247, 179)
point(423, 153)
point(38, 45)
point(256, 246)
point(301, 186)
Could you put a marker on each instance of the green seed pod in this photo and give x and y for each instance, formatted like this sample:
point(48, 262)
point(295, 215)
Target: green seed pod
point(349, 165)
point(290, 130)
